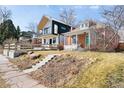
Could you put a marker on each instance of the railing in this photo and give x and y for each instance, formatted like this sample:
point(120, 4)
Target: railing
point(71, 47)
point(28, 46)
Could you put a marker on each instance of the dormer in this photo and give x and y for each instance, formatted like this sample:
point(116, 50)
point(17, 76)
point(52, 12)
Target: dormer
point(87, 24)
point(84, 26)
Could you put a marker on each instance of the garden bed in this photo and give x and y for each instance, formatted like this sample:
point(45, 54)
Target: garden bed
point(26, 61)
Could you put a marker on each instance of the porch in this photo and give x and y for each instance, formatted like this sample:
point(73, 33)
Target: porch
point(49, 41)
point(77, 40)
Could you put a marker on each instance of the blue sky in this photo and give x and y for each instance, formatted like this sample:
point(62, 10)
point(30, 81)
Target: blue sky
point(22, 15)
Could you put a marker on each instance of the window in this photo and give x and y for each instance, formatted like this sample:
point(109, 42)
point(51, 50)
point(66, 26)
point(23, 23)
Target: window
point(54, 40)
point(55, 29)
point(46, 30)
point(74, 39)
point(82, 25)
point(86, 25)
point(63, 28)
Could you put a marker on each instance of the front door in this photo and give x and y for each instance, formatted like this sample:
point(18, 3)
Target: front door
point(87, 40)
point(50, 41)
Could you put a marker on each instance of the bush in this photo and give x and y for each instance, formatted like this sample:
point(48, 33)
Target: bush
point(60, 47)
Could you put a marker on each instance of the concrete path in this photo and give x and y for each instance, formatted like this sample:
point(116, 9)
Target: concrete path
point(15, 77)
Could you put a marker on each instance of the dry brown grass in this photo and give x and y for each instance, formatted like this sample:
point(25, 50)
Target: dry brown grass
point(24, 61)
point(95, 74)
point(60, 70)
point(3, 83)
point(101, 69)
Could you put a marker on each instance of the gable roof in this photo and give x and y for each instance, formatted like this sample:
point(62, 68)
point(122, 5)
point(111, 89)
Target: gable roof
point(43, 22)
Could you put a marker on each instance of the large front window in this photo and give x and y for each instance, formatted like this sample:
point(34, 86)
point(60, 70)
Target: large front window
point(74, 39)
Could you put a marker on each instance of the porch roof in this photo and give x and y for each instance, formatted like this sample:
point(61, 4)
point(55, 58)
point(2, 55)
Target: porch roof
point(47, 36)
point(77, 32)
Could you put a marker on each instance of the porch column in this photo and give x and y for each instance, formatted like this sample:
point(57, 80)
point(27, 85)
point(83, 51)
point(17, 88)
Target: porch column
point(42, 41)
point(57, 40)
point(76, 39)
point(64, 39)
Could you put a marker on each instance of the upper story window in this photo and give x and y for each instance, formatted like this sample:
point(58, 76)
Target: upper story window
point(55, 29)
point(63, 28)
point(85, 25)
point(46, 31)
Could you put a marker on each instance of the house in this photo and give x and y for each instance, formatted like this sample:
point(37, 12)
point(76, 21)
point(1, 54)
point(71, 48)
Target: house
point(26, 36)
point(91, 35)
point(51, 32)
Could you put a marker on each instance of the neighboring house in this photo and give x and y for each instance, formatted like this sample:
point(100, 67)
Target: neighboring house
point(91, 35)
point(51, 32)
point(26, 36)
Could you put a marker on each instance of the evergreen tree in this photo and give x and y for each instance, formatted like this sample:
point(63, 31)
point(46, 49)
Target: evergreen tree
point(7, 31)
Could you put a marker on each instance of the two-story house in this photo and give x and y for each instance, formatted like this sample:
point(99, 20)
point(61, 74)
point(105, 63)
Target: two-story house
point(51, 32)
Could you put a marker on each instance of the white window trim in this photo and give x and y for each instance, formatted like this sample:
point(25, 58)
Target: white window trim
point(55, 28)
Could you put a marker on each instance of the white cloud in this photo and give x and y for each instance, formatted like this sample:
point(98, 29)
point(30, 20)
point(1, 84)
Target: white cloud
point(77, 7)
point(94, 7)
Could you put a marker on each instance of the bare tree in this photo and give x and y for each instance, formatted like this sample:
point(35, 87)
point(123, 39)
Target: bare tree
point(68, 16)
point(114, 17)
point(31, 26)
point(4, 14)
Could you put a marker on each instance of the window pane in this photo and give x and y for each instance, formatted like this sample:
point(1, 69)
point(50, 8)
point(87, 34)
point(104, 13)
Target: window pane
point(55, 29)
point(54, 40)
point(74, 39)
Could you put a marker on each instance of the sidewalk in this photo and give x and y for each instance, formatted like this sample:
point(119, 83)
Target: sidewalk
point(16, 78)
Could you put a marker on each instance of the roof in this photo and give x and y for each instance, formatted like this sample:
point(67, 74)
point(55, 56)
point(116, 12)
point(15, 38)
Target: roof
point(76, 31)
point(43, 22)
point(45, 19)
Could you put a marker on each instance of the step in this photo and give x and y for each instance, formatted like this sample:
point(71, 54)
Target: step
point(43, 62)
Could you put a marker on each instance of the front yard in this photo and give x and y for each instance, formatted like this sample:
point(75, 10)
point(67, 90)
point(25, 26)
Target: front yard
point(81, 69)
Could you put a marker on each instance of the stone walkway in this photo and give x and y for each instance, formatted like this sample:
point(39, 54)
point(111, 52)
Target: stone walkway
point(15, 77)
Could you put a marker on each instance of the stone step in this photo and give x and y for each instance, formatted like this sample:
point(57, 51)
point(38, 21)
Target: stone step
point(40, 64)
